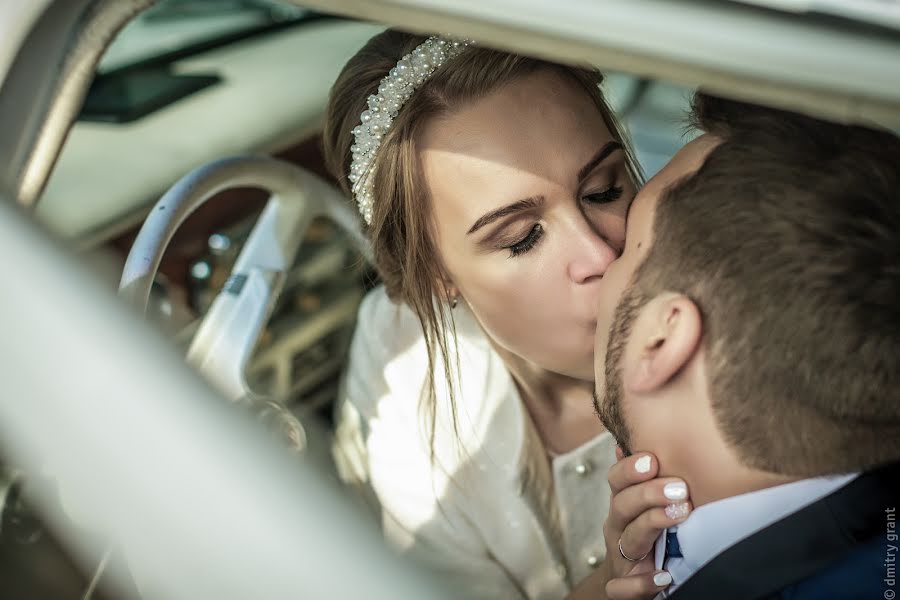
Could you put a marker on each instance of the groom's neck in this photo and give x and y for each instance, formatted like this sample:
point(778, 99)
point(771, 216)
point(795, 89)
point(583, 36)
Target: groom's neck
point(698, 450)
point(717, 475)
point(727, 487)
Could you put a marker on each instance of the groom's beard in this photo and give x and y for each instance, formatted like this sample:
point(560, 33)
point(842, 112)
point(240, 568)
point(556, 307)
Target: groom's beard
point(610, 409)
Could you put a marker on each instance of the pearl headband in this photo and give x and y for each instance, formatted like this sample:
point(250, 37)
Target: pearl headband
point(395, 89)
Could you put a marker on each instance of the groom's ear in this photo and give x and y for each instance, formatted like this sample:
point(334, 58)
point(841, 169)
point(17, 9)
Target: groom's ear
point(666, 334)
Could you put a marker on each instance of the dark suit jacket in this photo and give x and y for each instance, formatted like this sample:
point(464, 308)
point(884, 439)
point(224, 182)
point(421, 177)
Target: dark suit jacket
point(837, 547)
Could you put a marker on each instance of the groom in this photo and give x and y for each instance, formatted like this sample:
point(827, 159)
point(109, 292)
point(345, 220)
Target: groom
point(752, 343)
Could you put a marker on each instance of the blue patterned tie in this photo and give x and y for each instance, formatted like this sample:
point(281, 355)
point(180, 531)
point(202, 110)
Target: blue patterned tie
point(673, 549)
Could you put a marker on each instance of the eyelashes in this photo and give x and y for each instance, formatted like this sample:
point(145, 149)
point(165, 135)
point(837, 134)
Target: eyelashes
point(608, 195)
point(527, 243)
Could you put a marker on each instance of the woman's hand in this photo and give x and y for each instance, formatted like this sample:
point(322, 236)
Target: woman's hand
point(642, 506)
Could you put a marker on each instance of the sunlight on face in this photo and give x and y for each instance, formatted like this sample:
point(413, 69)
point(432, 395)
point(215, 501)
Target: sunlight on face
point(529, 194)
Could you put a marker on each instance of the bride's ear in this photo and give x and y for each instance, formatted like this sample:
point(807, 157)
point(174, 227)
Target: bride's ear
point(448, 291)
point(668, 332)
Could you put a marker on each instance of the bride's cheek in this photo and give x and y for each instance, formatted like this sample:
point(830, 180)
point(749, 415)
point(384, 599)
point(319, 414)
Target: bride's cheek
point(611, 226)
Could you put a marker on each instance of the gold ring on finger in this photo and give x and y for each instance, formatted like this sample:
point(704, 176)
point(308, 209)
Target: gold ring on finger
point(628, 558)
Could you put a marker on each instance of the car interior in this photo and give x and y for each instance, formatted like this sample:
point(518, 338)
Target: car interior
point(194, 170)
point(151, 117)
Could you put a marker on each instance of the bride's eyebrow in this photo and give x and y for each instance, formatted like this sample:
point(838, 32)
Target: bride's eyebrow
point(598, 158)
point(520, 205)
point(536, 201)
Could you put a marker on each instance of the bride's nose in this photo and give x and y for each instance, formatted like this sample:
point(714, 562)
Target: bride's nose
point(589, 254)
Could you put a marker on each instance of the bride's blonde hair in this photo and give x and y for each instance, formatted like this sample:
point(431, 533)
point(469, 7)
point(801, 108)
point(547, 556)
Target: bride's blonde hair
point(401, 229)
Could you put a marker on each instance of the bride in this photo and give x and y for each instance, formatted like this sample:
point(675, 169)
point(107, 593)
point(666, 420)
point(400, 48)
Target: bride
point(494, 188)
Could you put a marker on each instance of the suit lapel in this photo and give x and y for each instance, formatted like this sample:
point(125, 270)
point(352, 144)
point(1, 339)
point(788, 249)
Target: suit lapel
point(799, 545)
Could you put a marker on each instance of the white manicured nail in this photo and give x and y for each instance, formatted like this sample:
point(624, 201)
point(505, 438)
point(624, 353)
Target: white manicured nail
point(662, 579)
point(677, 490)
point(642, 465)
point(678, 511)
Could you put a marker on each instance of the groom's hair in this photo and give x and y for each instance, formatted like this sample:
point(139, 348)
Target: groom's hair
point(788, 240)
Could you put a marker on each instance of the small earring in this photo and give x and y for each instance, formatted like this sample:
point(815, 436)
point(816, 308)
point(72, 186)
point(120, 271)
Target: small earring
point(453, 302)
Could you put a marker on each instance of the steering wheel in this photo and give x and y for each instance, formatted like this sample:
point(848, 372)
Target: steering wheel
point(228, 333)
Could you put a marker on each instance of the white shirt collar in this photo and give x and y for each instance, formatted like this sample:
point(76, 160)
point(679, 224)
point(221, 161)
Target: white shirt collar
point(717, 526)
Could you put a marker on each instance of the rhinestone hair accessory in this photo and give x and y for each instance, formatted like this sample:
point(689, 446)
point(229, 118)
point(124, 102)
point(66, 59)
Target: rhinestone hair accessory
point(395, 89)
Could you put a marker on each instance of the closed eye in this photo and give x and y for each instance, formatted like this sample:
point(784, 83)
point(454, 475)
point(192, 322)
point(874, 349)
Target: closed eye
point(528, 242)
point(611, 194)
